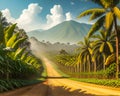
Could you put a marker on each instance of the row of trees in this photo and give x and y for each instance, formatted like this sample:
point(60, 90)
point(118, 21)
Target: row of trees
point(100, 47)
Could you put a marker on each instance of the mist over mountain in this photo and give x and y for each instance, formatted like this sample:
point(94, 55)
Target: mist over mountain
point(68, 31)
point(42, 47)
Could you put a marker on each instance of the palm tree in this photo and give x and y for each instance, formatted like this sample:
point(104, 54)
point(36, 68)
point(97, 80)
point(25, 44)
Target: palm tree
point(107, 15)
point(103, 45)
point(85, 53)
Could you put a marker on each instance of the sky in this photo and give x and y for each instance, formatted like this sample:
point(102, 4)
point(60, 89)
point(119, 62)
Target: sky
point(44, 14)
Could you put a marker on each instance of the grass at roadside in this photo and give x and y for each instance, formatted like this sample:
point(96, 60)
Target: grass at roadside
point(105, 82)
point(59, 71)
point(44, 73)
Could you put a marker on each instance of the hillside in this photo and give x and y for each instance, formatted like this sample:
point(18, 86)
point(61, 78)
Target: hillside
point(49, 48)
point(68, 31)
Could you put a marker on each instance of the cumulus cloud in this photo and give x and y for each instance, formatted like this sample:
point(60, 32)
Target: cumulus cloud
point(30, 19)
point(68, 16)
point(56, 16)
point(6, 13)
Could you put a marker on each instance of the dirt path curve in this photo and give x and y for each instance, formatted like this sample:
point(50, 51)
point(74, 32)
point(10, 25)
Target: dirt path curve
point(56, 85)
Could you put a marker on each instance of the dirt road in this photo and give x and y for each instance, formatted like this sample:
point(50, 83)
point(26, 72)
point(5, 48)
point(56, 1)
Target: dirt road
point(56, 85)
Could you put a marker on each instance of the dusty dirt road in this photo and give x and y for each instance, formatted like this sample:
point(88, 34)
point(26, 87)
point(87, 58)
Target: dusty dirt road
point(56, 85)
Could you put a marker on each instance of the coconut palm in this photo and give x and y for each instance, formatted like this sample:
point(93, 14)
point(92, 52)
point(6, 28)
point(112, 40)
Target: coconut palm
point(85, 53)
point(103, 45)
point(107, 15)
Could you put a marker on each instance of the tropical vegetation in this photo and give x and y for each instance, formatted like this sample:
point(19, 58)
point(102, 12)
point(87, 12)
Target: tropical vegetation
point(17, 64)
point(106, 17)
point(98, 54)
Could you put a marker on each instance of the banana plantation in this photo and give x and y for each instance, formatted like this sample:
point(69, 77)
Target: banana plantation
point(17, 64)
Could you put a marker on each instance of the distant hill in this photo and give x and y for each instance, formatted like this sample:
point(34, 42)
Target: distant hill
point(68, 31)
point(52, 48)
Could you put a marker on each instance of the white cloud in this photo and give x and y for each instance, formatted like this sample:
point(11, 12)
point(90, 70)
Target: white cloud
point(29, 19)
point(6, 13)
point(56, 16)
point(68, 16)
point(72, 3)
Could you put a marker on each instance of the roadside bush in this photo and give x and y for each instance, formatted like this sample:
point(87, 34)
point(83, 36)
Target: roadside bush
point(110, 71)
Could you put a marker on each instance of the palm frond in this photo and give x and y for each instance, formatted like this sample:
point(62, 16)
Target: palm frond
point(95, 15)
point(109, 3)
point(19, 53)
point(108, 20)
point(117, 12)
point(96, 26)
point(110, 59)
point(12, 40)
point(110, 47)
point(9, 32)
point(91, 11)
point(24, 56)
point(103, 34)
point(19, 41)
point(112, 37)
point(102, 47)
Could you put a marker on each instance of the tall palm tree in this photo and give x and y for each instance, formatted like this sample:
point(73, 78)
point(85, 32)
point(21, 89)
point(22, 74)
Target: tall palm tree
point(85, 53)
point(104, 45)
point(107, 15)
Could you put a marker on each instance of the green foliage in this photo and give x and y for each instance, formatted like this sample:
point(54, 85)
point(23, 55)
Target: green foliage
point(98, 24)
point(8, 33)
point(111, 70)
point(105, 82)
point(108, 20)
point(19, 52)
point(110, 59)
point(107, 3)
point(18, 42)
point(12, 40)
point(6, 85)
point(12, 60)
point(1, 33)
point(94, 11)
point(117, 12)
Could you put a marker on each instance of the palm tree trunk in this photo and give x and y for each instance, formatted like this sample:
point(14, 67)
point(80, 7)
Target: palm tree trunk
point(89, 67)
point(104, 61)
point(80, 67)
point(90, 62)
point(84, 67)
point(94, 66)
point(117, 47)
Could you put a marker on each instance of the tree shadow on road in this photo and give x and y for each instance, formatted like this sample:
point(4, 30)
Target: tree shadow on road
point(63, 91)
point(43, 89)
point(54, 77)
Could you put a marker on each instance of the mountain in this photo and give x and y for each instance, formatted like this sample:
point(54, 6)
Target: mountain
point(68, 31)
point(34, 32)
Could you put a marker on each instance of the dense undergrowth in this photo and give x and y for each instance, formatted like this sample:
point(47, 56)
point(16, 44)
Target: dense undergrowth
point(18, 66)
point(6, 85)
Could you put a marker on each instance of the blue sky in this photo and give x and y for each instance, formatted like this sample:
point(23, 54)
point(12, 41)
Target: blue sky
point(43, 14)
